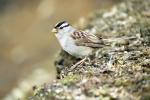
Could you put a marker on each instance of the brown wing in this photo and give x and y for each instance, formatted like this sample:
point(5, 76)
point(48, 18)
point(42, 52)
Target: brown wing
point(85, 39)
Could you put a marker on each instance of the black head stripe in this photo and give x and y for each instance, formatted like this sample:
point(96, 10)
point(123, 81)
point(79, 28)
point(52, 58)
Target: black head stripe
point(59, 24)
point(64, 26)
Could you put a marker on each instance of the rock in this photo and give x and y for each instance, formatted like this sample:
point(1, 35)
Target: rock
point(120, 70)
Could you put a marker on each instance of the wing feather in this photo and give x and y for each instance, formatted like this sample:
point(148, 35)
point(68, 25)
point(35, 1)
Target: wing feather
point(86, 39)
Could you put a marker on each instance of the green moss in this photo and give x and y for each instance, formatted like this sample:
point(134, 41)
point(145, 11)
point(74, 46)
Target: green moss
point(69, 78)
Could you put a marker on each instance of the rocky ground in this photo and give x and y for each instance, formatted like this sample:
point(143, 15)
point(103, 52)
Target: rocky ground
point(120, 70)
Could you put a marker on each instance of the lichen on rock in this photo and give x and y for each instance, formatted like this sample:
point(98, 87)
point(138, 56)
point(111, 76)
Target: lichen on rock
point(118, 71)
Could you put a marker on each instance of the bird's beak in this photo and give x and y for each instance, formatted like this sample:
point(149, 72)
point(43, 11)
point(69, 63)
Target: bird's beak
point(54, 30)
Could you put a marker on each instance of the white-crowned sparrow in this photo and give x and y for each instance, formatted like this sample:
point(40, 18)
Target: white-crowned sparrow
point(77, 43)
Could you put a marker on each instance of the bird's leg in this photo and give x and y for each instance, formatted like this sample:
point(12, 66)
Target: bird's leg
point(77, 64)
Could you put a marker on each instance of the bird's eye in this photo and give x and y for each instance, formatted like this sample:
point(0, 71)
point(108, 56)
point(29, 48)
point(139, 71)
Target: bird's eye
point(61, 27)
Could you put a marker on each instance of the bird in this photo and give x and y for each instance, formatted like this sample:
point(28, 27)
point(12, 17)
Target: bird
point(77, 43)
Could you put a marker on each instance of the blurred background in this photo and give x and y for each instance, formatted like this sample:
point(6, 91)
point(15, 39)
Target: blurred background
point(27, 47)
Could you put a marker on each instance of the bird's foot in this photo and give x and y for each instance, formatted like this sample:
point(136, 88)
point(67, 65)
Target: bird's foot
point(77, 64)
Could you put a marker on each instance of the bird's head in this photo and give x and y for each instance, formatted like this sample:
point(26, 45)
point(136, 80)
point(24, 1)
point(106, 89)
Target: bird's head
point(62, 26)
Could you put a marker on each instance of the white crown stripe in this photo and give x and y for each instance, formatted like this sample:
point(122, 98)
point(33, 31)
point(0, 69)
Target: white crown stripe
point(64, 24)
